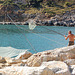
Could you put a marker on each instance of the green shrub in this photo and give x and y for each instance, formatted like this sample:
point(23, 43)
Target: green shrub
point(1, 2)
point(67, 4)
point(50, 3)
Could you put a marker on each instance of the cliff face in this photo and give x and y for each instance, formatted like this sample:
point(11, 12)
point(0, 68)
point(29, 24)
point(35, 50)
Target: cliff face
point(34, 9)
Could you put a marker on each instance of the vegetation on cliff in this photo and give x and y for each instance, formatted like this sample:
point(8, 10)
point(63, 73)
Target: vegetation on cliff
point(47, 7)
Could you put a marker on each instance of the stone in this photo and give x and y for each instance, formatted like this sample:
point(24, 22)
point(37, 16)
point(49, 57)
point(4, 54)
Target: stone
point(24, 55)
point(26, 23)
point(59, 54)
point(70, 61)
point(72, 69)
point(50, 23)
point(73, 72)
point(11, 61)
point(47, 68)
point(26, 71)
point(58, 67)
point(2, 60)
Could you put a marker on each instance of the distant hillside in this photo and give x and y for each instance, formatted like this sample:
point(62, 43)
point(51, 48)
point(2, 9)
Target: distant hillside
point(49, 8)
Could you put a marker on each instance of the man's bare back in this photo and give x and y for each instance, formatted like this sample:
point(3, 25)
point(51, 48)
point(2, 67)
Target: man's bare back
point(71, 38)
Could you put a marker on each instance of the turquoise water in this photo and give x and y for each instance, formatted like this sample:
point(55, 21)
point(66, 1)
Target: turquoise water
point(15, 40)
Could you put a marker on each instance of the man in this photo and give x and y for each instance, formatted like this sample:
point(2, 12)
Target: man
point(71, 38)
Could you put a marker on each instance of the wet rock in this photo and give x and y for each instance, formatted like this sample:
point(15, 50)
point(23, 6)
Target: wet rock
point(45, 23)
point(11, 23)
point(26, 23)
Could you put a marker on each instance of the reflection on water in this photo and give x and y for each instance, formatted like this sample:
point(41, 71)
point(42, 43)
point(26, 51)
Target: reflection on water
point(41, 38)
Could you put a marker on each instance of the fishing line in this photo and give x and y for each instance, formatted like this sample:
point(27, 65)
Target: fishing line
point(40, 35)
point(37, 34)
point(32, 25)
point(51, 30)
point(34, 33)
point(23, 34)
point(54, 32)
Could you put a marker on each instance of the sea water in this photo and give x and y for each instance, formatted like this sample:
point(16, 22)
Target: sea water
point(16, 39)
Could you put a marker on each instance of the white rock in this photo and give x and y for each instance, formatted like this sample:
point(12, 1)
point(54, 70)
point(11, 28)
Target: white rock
point(11, 61)
point(24, 55)
point(26, 71)
point(58, 67)
point(47, 68)
point(59, 54)
point(70, 61)
point(73, 72)
point(72, 69)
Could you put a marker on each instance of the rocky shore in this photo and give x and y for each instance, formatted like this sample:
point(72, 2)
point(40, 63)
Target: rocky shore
point(67, 19)
point(60, 61)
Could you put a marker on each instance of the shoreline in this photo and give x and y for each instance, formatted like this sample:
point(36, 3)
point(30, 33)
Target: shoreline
point(59, 61)
point(41, 23)
point(11, 23)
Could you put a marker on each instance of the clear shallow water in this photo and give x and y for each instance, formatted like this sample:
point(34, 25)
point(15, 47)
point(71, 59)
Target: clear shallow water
point(13, 40)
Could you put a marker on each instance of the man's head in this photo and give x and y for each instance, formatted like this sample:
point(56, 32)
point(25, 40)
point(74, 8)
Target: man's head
point(69, 32)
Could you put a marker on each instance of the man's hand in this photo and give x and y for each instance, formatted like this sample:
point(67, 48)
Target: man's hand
point(64, 36)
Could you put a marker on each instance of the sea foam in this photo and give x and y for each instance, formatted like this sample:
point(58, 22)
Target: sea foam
point(10, 51)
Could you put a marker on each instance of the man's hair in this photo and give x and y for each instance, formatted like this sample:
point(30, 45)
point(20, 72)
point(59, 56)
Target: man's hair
point(70, 31)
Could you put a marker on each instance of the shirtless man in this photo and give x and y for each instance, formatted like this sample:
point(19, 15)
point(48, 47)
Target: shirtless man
point(71, 38)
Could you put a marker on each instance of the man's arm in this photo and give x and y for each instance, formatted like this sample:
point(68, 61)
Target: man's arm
point(74, 37)
point(66, 37)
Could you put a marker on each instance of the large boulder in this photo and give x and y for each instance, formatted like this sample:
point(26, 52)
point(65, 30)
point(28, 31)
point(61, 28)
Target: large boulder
point(72, 69)
point(25, 71)
point(47, 68)
point(70, 62)
point(73, 72)
point(59, 54)
point(57, 67)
